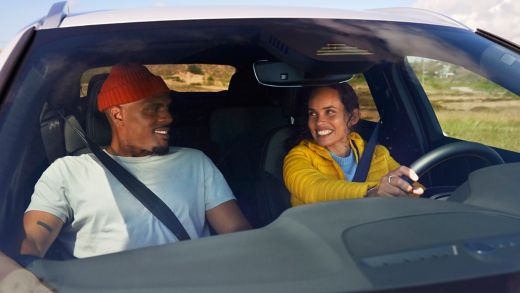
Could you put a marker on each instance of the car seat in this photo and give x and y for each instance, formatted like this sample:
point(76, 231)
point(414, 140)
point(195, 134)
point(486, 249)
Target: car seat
point(239, 131)
point(57, 132)
point(58, 124)
point(272, 195)
point(97, 126)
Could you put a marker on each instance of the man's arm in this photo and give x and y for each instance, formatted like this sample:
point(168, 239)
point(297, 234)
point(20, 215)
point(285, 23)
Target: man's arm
point(227, 218)
point(41, 229)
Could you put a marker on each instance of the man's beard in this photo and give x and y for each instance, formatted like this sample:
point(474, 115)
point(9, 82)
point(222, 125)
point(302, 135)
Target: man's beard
point(160, 151)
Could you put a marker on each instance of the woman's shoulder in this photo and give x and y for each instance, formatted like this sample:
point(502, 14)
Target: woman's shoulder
point(381, 149)
point(304, 149)
point(307, 147)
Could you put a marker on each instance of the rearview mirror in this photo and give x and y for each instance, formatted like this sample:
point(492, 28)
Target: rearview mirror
point(280, 74)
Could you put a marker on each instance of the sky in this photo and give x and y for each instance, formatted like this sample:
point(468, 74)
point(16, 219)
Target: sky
point(501, 17)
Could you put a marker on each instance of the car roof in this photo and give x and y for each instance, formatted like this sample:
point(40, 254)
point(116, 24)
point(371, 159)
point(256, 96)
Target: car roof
point(133, 15)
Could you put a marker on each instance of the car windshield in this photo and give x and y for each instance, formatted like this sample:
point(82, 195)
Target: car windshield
point(429, 85)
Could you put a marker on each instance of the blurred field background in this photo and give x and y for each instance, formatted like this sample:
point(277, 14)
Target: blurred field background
point(469, 106)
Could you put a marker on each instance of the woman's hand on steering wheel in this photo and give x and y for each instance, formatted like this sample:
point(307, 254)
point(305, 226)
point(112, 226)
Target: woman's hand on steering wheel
point(393, 185)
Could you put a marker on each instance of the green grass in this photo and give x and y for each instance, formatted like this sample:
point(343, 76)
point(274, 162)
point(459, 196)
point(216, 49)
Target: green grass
point(498, 129)
point(483, 118)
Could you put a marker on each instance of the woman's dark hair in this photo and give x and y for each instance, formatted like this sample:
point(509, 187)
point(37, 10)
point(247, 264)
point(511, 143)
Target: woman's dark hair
point(347, 96)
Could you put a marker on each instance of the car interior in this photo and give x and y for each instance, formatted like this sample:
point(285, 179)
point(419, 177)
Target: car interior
point(247, 129)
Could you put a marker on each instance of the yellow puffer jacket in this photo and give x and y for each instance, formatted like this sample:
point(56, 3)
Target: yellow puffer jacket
point(312, 175)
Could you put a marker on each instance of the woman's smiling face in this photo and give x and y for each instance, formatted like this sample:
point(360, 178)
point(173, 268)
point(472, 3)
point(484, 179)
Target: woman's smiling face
point(328, 120)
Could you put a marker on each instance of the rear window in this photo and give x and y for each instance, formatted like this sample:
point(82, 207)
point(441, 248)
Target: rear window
point(179, 77)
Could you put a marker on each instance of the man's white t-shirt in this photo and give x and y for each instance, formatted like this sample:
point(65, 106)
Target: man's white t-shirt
point(101, 216)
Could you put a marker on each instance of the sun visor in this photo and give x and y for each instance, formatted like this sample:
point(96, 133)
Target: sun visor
point(318, 51)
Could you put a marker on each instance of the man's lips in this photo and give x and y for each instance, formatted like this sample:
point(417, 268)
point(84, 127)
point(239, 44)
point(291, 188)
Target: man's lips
point(162, 130)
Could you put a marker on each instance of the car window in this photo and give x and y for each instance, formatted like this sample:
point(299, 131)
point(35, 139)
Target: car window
point(469, 106)
point(366, 101)
point(179, 77)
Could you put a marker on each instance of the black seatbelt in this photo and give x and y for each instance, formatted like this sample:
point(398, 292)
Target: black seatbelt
point(366, 158)
point(149, 199)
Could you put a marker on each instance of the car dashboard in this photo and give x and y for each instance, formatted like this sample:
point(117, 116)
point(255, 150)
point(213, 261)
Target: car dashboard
point(352, 245)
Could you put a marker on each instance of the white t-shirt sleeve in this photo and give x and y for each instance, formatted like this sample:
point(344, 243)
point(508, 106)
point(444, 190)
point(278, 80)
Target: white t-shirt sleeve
point(216, 189)
point(49, 193)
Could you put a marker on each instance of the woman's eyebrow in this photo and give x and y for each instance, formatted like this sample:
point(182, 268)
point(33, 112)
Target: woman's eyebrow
point(324, 108)
point(329, 107)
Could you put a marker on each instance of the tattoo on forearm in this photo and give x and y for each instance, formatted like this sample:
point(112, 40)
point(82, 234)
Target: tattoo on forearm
point(44, 225)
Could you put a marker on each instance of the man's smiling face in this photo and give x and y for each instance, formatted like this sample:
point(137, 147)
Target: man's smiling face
point(146, 126)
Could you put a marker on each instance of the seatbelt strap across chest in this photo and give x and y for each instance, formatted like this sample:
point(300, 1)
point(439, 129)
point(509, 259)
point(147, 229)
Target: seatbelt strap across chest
point(149, 199)
point(366, 158)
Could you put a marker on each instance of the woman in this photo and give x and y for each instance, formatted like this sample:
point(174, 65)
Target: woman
point(321, 167)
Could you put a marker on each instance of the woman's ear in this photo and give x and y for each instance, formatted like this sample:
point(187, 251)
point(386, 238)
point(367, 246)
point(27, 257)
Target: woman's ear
point(353, 119)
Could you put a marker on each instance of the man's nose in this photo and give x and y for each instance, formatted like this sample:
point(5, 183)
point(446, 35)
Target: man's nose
point(165, 116)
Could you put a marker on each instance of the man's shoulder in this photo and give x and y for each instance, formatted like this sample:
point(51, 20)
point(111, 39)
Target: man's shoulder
point(73, 160)
point(188, 157)
point(70, 165)
point(185, 151)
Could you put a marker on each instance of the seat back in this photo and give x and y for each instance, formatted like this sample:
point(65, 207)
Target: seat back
point(239, 134)
point(58, 124)
point(57, 130)
point(275, 150)
point(272, 196)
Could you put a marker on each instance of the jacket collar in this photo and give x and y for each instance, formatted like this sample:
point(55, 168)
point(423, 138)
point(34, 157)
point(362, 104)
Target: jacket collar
point(357, 145)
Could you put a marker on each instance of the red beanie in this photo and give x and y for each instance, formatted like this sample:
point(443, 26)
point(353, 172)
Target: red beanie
point(128, 83)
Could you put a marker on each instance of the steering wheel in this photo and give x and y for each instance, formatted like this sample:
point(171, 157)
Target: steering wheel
point(454, 150)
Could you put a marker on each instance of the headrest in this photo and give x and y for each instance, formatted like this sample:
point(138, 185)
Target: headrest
point(244, 89)
point(97, 126)
point(229, 124)
point(58, 131)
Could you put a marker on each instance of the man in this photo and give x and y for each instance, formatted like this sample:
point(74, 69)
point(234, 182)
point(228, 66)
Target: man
point(80, 203)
